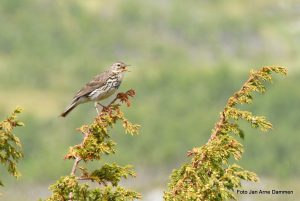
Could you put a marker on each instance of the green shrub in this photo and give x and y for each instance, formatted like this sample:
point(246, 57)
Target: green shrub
point(96, 143)
point(210, 175)
point(10, 145)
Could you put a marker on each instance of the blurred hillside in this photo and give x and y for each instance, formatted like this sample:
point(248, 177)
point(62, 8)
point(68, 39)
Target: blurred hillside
point(188, 59)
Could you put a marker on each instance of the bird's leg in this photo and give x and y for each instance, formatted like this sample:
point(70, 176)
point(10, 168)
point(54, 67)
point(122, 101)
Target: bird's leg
point(100, 104)
point(103, 107)
point(96, 107)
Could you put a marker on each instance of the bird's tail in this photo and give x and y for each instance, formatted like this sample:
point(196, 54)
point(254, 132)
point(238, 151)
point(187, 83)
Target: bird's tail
point(68, 109)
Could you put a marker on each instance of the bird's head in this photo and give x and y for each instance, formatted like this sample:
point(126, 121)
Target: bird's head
point(119, 67)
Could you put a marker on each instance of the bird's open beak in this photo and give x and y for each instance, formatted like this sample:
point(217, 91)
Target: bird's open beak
point(125, 69)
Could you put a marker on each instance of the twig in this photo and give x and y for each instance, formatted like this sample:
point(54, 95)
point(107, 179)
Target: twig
point(230, 103)
point(221, 122)
point(77, 160)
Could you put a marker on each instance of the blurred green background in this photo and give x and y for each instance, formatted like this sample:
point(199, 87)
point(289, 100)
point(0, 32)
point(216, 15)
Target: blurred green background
point(188, 58)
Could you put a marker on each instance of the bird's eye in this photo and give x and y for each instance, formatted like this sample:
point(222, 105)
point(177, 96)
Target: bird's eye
point(119, 65)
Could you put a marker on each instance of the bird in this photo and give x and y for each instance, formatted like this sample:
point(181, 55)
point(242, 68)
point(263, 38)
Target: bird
point(100, 87)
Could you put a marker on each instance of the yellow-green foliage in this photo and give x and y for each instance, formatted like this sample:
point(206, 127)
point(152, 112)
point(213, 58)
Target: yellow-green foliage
point(10, 145)
point(96, 143)
point(209, 175)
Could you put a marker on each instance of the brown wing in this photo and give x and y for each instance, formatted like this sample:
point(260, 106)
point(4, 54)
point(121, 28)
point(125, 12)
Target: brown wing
point(95, 83)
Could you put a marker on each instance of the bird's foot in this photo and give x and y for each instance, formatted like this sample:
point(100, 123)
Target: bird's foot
point(97, 108)
point(104, 108)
